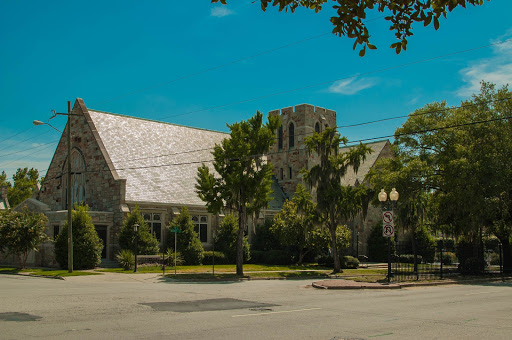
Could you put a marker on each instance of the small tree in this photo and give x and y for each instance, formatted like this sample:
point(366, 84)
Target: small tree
point(147, 244)
point(294, 224)
point(189, 244)
point(226, 236)
point(25, 181)
point(87, 245)
point(22, 232)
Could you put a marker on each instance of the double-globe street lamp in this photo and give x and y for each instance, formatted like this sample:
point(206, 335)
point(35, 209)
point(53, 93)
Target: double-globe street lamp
point(388, 220)
point(69, 196)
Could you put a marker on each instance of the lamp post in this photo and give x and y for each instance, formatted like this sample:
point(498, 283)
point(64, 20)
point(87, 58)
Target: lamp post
point(136, 230)
point(387, 219)
point(68, 194)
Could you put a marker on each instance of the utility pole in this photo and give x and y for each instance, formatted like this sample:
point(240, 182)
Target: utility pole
point(70, 203)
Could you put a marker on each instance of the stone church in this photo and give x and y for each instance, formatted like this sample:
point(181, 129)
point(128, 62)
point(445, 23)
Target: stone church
point(119, 162)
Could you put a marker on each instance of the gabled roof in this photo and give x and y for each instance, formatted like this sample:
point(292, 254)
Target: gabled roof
point(158, 160)
point(351, 178)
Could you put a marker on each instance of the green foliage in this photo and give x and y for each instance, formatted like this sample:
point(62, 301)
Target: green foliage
point(174, 256)
point(25, 181)
point(335, 202)
point(449, 258)
point(264, 239)
point(245, 178)
point(275, 256)
point(425, 244)
point(351, 16)
point(3, 180)
point(294, 224)
point(350, 262)
point(188, 242)
point(87, 245)
point(22, 232)
point(220, 258)
point(147, 244)
point(226, 238)
point(377, 245)
point(126, 259)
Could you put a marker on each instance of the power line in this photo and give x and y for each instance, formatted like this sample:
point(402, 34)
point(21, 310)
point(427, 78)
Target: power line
point(19, 133)
point(35, 147)
point(282, 151)
point(339, 79)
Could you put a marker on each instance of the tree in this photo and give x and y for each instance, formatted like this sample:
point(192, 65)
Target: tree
point(25, 181)
point(226, 237)
point(245, 178)
point(22, 232)
point(350, 16)
point(147, 244)
point(335, 202)
point(189, 245)
point(87, 245)
point(459, 161)
point(3, 180)
point(295, 223)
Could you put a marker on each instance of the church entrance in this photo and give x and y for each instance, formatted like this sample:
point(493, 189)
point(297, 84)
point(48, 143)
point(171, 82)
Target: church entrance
point(102, 233)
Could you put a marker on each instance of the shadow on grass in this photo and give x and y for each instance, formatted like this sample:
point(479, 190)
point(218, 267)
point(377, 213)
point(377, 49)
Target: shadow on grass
point(9, 270)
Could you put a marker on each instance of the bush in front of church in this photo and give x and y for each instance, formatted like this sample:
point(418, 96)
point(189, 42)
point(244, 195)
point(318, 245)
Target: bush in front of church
point(147, 244)
point(87, 245)
point(226, 237)
point(188, 242)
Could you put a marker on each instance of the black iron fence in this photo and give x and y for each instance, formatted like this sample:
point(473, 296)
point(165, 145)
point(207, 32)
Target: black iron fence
point(443, 259)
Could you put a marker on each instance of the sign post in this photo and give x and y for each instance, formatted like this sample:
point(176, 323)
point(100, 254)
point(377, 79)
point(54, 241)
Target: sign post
point(388, 230)
point(176, 231)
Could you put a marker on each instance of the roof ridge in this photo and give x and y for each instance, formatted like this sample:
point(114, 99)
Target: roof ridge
point(155, 121)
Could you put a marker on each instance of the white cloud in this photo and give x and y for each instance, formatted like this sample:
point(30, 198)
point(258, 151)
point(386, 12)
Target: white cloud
point(351, 86)
point(220, 12)
point(496, 69)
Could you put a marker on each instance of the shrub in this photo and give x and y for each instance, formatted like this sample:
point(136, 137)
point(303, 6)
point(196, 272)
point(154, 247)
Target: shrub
point(409, 258)
point(147, 244)
point(126, 259)
point(220, 258)
point(264, 238)
point(350, 262)
point(472, 266)
point(378, 245)
point(325, 260)
point(425, 244)
point(494, 259)
point(170, 254)
point(283, 257)
point(189, 244)
point(226, 236)
point(87, 245)
point(449, 258)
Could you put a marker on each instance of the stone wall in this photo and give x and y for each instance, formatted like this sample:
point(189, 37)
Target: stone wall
point(304, 117)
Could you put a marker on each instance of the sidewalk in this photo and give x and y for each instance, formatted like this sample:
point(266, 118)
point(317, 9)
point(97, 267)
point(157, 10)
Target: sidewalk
point(350, 284)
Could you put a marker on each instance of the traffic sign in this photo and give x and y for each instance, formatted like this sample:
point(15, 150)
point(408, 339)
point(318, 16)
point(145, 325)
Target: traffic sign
point(388, 230)
point(387, 217)
point(175, 230)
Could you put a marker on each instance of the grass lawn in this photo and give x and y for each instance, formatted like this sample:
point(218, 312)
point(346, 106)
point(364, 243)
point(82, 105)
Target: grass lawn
point(44, 272)
point(221, 269)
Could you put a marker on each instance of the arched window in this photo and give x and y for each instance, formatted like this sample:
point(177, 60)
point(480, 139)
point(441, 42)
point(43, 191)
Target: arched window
point(280, 138)
point(317, 127)
point(77, 178)
point(291, 136)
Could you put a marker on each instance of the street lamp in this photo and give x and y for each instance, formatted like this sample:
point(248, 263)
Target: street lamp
point(136, 230)
point(387, 219)
point(69, 197)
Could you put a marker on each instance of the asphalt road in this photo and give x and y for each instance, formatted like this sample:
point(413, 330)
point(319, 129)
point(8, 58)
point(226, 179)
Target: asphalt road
point(145, 307)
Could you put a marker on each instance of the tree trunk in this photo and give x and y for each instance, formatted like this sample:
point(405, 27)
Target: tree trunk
point(242, 219)
point(334, 248)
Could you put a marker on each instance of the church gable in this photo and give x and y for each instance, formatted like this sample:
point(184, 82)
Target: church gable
point(94, 181)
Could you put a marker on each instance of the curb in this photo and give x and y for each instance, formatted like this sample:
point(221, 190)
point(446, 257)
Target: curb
point(356, 285)
point(34, 275)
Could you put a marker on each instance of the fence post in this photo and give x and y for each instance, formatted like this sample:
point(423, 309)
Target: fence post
point(501, 259)
point(441, 250)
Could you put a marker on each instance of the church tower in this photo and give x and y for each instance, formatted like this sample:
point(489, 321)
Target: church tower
point(289, 154)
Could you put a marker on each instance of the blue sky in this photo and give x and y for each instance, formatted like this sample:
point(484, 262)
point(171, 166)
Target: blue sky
point(204, 65)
